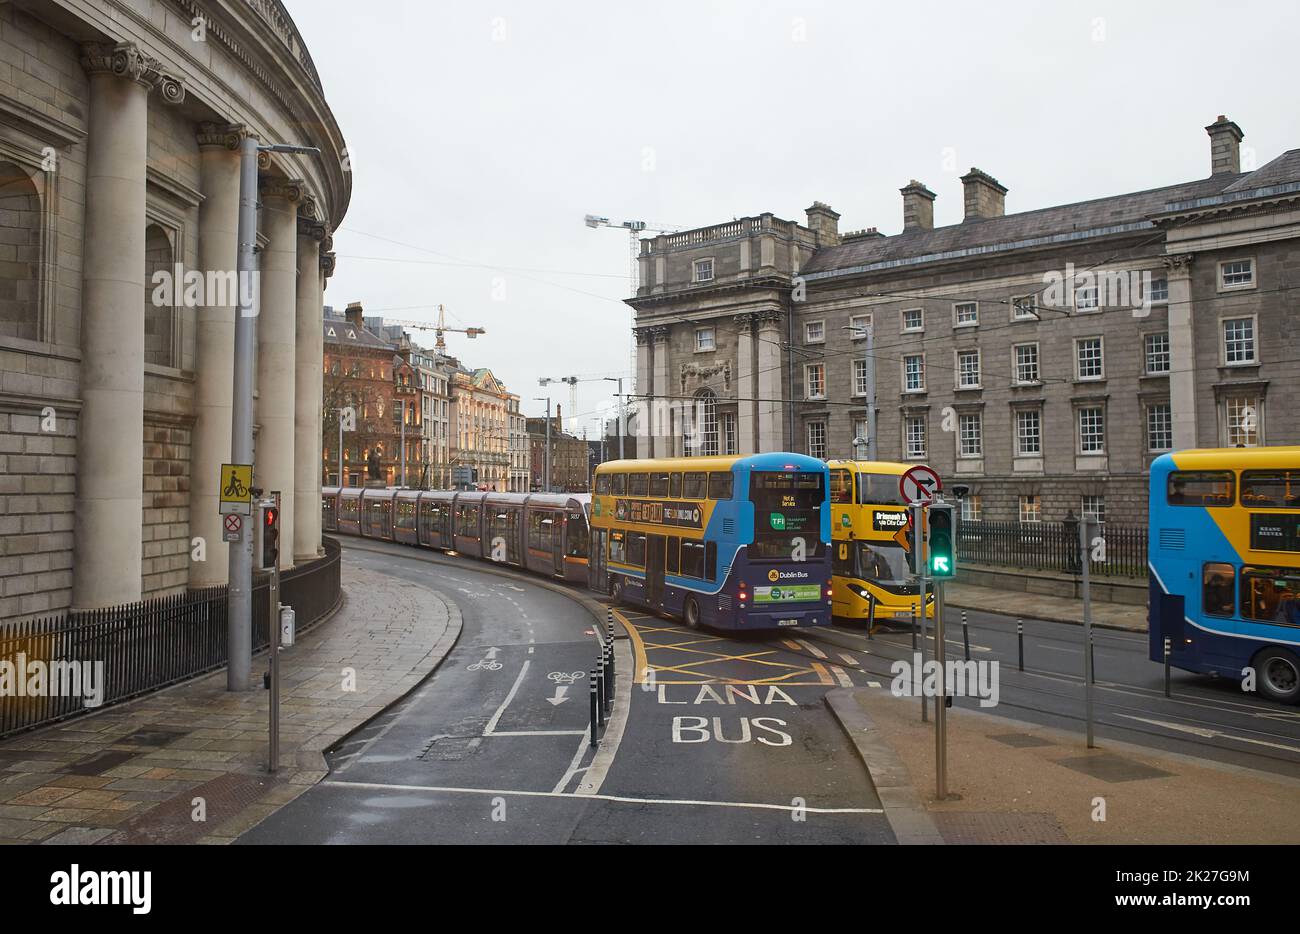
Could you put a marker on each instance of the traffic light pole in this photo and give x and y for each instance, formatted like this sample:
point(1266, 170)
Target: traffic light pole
point(919, 568)
point(941, 700)
point(1086, 523)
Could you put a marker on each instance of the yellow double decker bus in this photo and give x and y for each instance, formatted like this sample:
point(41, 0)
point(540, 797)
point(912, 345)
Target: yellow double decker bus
point(871, 542)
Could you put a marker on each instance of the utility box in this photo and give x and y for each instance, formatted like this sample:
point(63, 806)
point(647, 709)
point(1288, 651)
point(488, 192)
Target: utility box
point(288, 625)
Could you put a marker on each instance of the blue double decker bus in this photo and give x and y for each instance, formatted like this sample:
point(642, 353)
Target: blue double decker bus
point(1224, 557)
point(725, 542)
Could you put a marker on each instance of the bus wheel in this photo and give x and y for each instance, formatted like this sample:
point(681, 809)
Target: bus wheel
point(691, 613)
point(1278, 674)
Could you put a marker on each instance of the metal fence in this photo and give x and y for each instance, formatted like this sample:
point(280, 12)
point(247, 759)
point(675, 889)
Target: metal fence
point(1051, 546)
point(49, 667)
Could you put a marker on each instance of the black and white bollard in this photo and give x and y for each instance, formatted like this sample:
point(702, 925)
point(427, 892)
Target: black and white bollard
point(1167, 651)
point(600, 690)
point(871, 617)
point(595, 702)
point(913, 629)
point(1020, 638)
point(965, 634)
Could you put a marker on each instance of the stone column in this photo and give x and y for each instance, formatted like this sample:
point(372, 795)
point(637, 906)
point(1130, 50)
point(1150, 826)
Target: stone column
point(214, 342)
point(645, 390)
point(744, 383)
point(277, 352)
point(107, 558)
point(662, 406)
point(308, 392)
point(1182, 352)
point(769, 382)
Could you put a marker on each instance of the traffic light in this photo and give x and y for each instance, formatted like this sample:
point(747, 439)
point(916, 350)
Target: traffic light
point(270, 537)
point(942, 538)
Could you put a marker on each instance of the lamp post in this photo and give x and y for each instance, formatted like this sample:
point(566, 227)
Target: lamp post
point(546, 469)
point(622, 429)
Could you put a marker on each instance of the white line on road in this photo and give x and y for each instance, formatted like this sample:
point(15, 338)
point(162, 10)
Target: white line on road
point(841, 676)
point(809, 647)
point(848, 659)
point(1206, 733)
point(514, 689)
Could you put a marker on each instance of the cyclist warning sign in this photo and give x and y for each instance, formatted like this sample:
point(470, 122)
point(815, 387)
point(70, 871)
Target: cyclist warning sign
point(236, 489)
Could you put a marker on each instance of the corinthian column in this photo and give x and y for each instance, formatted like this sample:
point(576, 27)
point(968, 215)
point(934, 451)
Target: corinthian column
point(769, 382)
point(214, 341)
point(662, 407)
point(277, 352)
point(1182, 352)
point(110, 432)
point(310, 355)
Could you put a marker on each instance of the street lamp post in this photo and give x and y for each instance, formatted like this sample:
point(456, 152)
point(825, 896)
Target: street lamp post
point(622, 429)
point(546, 469)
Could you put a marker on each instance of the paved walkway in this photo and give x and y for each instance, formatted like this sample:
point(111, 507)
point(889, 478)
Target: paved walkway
point(1020, 783)
point(188, 764)
point(1043, 606)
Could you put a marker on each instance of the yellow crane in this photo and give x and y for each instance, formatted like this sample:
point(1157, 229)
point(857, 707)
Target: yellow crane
point(439, 328)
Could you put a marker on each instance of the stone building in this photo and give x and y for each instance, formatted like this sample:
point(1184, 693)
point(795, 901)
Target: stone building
point(1044, 358)
point(570, 463)
point(520, 449)
point(480, 418)
point(119, 187)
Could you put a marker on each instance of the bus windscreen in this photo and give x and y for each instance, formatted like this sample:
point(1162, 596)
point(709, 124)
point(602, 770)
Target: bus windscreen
point(787, 506)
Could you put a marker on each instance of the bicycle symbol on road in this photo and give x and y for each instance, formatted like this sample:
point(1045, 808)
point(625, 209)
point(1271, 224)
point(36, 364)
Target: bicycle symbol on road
point(484, 664)
point(560, 677)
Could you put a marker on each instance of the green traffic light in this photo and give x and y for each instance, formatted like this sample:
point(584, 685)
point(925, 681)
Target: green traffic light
point(941, 565)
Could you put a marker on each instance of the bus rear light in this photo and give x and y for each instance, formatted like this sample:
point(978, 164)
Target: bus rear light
point(829, 592)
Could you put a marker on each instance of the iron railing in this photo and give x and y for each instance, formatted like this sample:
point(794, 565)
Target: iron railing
point(1051, 546)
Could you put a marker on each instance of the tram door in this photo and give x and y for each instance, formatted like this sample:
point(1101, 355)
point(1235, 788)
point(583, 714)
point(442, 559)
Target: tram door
point(654, 569)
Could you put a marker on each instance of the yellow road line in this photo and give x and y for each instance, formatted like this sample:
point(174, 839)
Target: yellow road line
point(822, 673)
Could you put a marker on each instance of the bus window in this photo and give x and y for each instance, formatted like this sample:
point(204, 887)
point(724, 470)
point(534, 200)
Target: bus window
point(658, 484)
point(675, 486)
point(880, 489)
point(787, 506)
point(841, 486)
point(1200, 488)
point(711, 560)
point(878, 561)
point(1271, 595)
point(617, 548)
point(674, 544)
point(720, 484)
point(693, 485)
point(618, 484)
point(636, 548)
point(576, 531)
point(602, 484)
point(842, 563)
point(692, 559)
point(638, 484)
point(1276, 489)
point(1216, 589)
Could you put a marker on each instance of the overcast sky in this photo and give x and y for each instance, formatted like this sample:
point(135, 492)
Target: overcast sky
point(481, 133)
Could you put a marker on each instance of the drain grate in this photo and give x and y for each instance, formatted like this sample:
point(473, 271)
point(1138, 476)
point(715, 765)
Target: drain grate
point(993, 827)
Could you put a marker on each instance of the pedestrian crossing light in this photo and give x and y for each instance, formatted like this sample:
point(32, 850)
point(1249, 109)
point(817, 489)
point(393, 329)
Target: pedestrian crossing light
point(270, 537)
point(939, 531)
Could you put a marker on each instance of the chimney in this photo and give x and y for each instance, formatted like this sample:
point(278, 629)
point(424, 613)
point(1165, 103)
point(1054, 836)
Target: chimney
point(918, 206)
point(985, 197)
point(355, 315)
point(1225, 146)
point(825, 223)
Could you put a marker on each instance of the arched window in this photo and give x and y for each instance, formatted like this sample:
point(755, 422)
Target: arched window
point(20, 249)
point(157, 310)
point(700, 425)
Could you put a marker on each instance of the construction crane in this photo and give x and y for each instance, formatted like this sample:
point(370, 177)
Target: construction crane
point(438, 328)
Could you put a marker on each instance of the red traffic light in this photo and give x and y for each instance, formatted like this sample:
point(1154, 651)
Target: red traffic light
point(272, 515)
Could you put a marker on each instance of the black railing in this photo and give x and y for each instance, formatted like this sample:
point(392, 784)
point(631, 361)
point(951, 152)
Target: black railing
point(50, 667)
point(1051, 546)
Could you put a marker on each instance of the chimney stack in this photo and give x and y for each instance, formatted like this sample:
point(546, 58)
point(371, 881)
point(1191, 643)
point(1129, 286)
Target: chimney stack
point(1225, 146)
point(918, 206)
point(825, 223)
point(355, 315)
point(985, 196)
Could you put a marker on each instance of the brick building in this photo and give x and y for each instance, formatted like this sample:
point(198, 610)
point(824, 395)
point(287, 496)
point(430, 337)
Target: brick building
point(1044, 358)
point(570, 461)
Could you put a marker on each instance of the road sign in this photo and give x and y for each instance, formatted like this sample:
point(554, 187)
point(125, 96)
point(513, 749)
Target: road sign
point(919, 484)
point(233, 525)
point(235, 485)
point(904, 537)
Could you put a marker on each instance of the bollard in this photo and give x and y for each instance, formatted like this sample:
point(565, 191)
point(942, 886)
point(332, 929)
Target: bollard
point(1020, 637)
point(1092, 657)
point(913, 629)
point(871, 617)
point(608, 653)
point(594, 704)
point(965, 634)
point(1167, 694)
point(600, 691)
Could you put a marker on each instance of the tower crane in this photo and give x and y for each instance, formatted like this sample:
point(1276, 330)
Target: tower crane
point(439, 328)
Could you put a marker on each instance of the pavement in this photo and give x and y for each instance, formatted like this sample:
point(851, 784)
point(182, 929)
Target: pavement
point(1043, 606)
point(1012, 782)
point(188, 764)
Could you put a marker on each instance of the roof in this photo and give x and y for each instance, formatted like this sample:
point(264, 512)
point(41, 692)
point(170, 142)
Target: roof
point(1285, 168)
point(347, 334)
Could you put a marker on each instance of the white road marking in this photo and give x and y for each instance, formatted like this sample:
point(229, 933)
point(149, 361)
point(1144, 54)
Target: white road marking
point(848, 659)
point(809, 647)
point(614, 727)
point(1206, 733)
point(842, 676)
point(538, 733)
point(514, 689)
point(873, 684)
point(619, 799)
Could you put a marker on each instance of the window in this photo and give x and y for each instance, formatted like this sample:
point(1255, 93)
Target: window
point(859, 431)
point(617, 547)
point(914, 373)
point(618, 484)
point(1271, 595)
point(1157, 353)
point(693, 484)
point(692, 559)
point(1026, 363)
point(636, 549)
point(841, 486)
point(971, 508)
point(1024, 308)
point(817, 440)
point(1237, 274)
point(1031, 508)
point(675, 485)
point(1200, 488)
point(815, 380)
point(914, 319)
point(602, 484)
point(965, 314)
point(1029, 433)
point(1242, 421)
point(1093, 507)
point(704, 270)
point(814, 332)
point(704, 340)
point(658, 484)
point(1085, 298)
point(1239, 341)
point(914, 435)
point(1158, 290)
point(1092, 430)
point(729, 433)
point(720, 484)
point(1088, 358)
point(1276, 489)
point(859, 377)
point(1217, 584)
point(638, 484)
point(700, 426)
point(970, 435)
point(968, 369)
point(1160, 427)
point(674, 548)
point(466, 521)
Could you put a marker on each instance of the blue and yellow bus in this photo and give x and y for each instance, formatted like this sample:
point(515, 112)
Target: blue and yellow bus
point(726, 542)
point(1224, 557)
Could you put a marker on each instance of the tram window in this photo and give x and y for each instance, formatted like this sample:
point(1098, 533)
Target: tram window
point(406, 514)
point(467, 521)
point(658, 484)
point(638, 484)
point(674, 545)
point(693, 485)
point(349, 507)
point(576, 543)
point(675, 485)
point(841, 486)
point(1216, 589)
point(1200, 488)
point(618, 484)
point(636, 549)
point(1271, 595)
point(692, 559)
point(1277, 489)
point(602, 484)
point(720, 484)
point(617, 548)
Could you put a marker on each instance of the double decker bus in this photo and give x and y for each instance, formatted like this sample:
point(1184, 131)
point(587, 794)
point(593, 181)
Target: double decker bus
point(871, 539)
point(726, 542)
point(1224, 557)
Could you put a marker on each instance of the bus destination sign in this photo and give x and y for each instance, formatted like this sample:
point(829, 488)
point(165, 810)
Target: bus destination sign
point(658, 512)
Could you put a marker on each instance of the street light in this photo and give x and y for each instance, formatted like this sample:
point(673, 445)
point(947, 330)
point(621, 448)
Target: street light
point(870, 362)
point(546, 470)
point(622, 429)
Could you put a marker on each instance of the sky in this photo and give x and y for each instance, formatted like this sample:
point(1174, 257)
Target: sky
point(481, 134)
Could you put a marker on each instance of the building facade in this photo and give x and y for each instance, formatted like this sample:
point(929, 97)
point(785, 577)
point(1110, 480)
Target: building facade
point(119, 202)
point(520, 449)
point(1042, 358)
point(570, 462)
point(480, 413)
point(362, 395)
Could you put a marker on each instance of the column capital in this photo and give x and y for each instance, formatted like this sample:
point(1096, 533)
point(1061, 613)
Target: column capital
point(327, 263)
point(744, 320)
point(659, 333)
point(125, 60)
point(290, 189)
point(212, 135)
point(769, 318)
point(1180, 264)
point(642, 335)
point(311, 229)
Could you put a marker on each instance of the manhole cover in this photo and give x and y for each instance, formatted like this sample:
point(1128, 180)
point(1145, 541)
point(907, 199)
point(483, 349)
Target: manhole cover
point(1021, 740)
point(448, 748)
point(1113, 769)
point(977, 827)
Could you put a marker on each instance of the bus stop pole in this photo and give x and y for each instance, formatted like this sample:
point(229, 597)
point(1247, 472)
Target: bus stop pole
point(1085, 523)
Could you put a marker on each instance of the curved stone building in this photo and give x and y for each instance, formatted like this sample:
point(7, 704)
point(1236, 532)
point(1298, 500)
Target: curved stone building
point(120, 124)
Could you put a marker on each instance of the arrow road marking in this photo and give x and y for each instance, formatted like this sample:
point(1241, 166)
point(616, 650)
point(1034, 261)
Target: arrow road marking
point(1207, 733)
point(559, 698)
